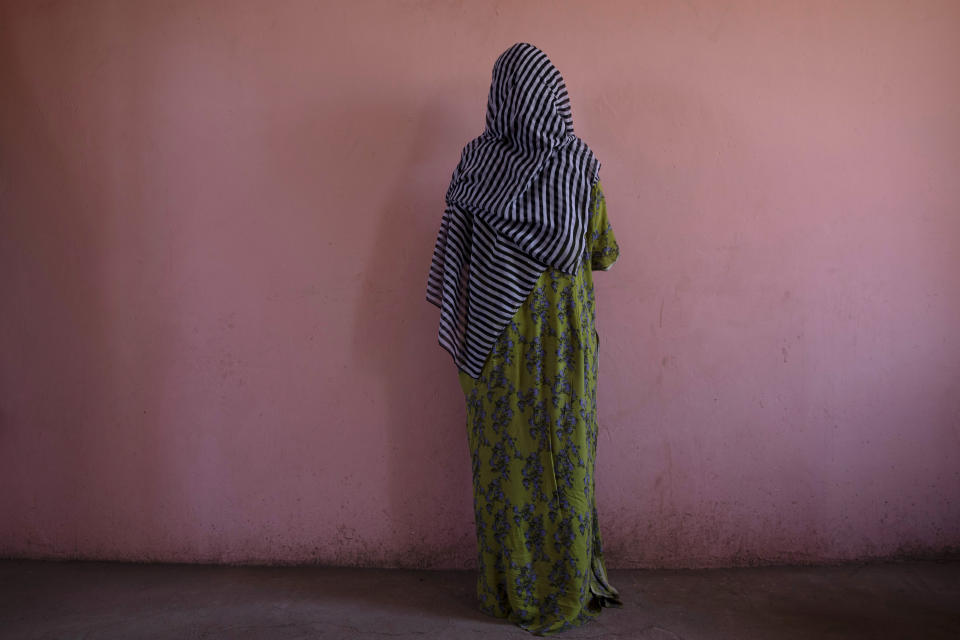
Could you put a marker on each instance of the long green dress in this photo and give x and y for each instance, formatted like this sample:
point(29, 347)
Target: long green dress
point(532, 431)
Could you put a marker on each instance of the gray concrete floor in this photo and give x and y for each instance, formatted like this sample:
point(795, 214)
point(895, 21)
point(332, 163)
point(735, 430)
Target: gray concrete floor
point(910, 600)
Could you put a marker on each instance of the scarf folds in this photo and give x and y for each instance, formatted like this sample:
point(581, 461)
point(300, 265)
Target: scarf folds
point(517, 204)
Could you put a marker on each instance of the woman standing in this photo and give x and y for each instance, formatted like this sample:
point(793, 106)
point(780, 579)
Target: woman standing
point(525, 226)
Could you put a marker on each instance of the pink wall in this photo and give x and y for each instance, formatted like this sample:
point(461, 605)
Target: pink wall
point(217, 219)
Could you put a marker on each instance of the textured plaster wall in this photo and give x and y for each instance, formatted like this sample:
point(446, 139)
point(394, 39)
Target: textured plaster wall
point(216, 220)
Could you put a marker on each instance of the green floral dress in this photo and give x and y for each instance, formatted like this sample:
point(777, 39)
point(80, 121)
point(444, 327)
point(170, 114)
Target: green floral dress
point(532, 430)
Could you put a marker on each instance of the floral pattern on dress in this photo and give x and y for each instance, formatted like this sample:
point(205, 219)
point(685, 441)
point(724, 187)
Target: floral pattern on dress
point(532, 432)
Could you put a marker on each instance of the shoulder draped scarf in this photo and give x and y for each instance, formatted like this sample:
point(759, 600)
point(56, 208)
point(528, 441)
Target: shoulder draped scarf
point(517, 204)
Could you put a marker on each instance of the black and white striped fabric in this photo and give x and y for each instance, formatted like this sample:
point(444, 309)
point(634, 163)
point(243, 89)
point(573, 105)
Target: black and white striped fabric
point(516, 205)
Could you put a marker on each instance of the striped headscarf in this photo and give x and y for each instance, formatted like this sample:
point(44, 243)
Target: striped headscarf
point(517, 204)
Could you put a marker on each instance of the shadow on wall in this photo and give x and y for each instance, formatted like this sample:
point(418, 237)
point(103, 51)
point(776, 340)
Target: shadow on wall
point(395, 341)
point(67, 337)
